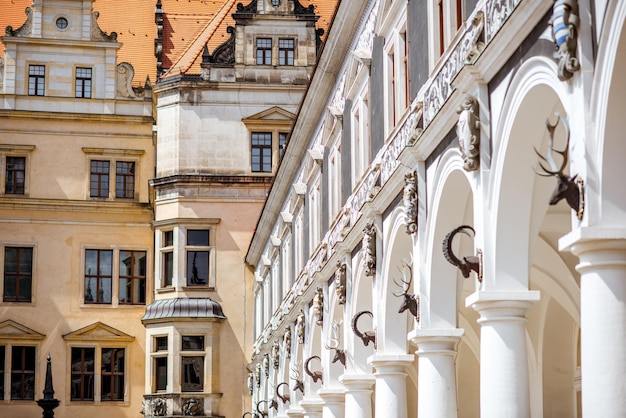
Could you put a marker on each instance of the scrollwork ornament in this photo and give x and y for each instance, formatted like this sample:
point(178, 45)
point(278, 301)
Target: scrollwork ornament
point(369, 248)
point(565, 21)
point(250, 383)
point(468, 133)
point(257, 375)
point(318, 306)
point(266, 365)
point(409, 199)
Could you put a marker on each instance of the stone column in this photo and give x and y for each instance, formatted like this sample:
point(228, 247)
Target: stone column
point(358, 395)
point(390, 394)
point(295, 412)
point(333, 399)
point(436, 381)
point(504, 390)
point(312, 407)
point(602, 268)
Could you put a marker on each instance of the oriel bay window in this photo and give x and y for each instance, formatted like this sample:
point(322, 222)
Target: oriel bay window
point(160, 363)
point(192, 363)
point(198, 257)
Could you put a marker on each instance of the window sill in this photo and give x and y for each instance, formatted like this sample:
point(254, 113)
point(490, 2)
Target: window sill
point(168, 289)
point(201, 288)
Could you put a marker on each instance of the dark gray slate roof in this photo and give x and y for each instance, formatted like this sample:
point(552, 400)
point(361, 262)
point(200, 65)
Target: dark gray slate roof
point(183, 308)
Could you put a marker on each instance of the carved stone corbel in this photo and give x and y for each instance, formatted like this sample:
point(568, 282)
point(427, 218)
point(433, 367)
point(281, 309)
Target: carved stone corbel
point(468, 132)
point(369, 248)
point(300, 327)
point(276, 354)
point(266, 365)
point(340, 282)
point(409, 199)
point(250, 383)
point(318, 306)
point(257, 375)
point(565, 21)
point(287, 342)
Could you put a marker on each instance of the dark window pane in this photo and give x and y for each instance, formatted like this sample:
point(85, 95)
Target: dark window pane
point(193, 342)
point(132, 275)
point(22, 372)
point(36, 80)
point(261, 148)
point(2, 365)
point(161, 373)
point(125, 179)
point(197, 268)
point(198, 237)
point(193, 374)
point(113, 374)
point(99, 179)
point(161, 343)
point(83, 83)
point(168, 268)
point(98, 278)
point(82, 378)
point(15, 175)
point(18, 268)
point(168, 238)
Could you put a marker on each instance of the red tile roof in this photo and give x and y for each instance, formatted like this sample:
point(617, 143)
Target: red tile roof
point(188, 24)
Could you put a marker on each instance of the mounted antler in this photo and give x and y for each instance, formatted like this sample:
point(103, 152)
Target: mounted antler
point(368, 336)
point(316, 375)
point(340, 355)
point(410, 301)
point(467, 264)
point(252, 414)
point(284, 398)
point(567, 187)
point(296, 376)
point(264, 412)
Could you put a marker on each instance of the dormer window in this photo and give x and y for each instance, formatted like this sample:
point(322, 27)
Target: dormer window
point(264, 51)
point(36, 80)
point(286, 51)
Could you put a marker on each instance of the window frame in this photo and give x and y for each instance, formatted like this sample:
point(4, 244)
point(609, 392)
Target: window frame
point(18, 274)
point(258, 135)
point(33, 275)
point(265, 50)
point(115, 344)
point(132, 277)
point(129, 181)
point(11, 151)
point(197, 248)
point(115, 275)
point(113, 157)
point(85, 83)
point(38, 80)
point(284, 56)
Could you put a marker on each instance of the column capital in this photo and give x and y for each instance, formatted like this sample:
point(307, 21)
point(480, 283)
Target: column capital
point(585, 239)
point(436, 340)
point(332, 395)
point(355, 382)
point(295, 412)
point(312, 405)
point(503, 304)
point(386, 363)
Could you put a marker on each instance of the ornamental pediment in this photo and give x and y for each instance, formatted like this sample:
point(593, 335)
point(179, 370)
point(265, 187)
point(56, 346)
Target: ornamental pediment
point(11, 330)
point(98, 331)
point(273, 114)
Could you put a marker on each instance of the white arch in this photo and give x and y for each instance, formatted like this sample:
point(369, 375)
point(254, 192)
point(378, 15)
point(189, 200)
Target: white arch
point(519, 198)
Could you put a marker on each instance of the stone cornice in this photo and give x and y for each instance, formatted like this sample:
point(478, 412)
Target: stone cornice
point(181, 179)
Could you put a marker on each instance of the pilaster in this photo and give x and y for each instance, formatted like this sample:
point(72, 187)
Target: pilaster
point(391, 396)
point(333, 402)
point(358, 395)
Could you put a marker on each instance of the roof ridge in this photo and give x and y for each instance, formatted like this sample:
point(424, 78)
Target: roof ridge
point(210, 28)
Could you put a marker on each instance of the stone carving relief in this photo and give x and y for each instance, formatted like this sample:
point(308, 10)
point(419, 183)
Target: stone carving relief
point(250, 383)
point(409, 199)
point(340, 282)
point(565, 23)
point(498, 11)
point(266, 365)
point(125, 74)
point(468, 133)
point(155, 407)
point(192, 407)
point(300, 327)
point(287, 342)
point(276, 354)
point(257, 375)
point(369, 248)
point(318, 306)
point(26, 29)
point(98, 34)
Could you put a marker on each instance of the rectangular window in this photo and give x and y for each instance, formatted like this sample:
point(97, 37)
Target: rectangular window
point(168, 258)
point(282, 143)
point(160, 367)
point(286, 51)
point(83, 83)
point(113, 374)
point(198, 253)
point(264, 51)
point(98, 276)
point(261, 152)
point(22, 373)
point(125, 179)
point(15, 175)
point(193, 374)
point(99, 179)
point(83, 369)
point(193, 343)
point(18, 274)
point(132, 275)
point(160, 343)
point(36, 80)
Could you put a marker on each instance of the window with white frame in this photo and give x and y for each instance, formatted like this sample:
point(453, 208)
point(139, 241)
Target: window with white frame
point(258, 311)
point(113, 172)
point(114, 276)
point(315, 215)
point(277, 284)
point(167, 258)
point(160, 347)
point(198, 250)
point(286, 257)
point(192, 363)
point(396, 68)
point(360, 156)
point(298, 243)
